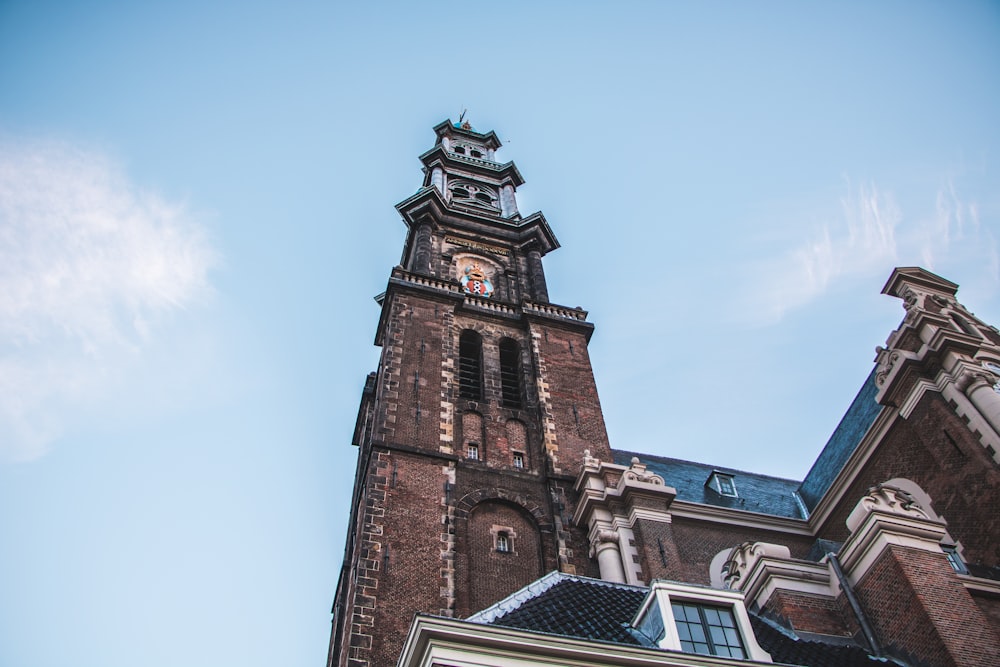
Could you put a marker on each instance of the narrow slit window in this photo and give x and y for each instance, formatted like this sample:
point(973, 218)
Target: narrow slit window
point(470, 366)
point(510, 373)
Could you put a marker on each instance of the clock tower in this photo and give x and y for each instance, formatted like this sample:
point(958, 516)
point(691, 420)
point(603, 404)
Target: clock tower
point(473, 429)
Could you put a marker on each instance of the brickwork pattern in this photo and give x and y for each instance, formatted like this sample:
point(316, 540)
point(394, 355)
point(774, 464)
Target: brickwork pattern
point(498, 574)
point(916, 602)
point(572, 417)
point(482, 494)
point(935, 449)
point(809, 613)
point(699, 541)
point(657, 547)
point(407, 543)
point(990, 607)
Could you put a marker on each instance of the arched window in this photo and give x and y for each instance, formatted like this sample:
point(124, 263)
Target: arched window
point(470, 366)
point(503, 542)
point(510, 373)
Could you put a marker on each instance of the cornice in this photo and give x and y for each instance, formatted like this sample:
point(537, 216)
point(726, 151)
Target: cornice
point(878, 531)
point(449, 291)
point(724, 515)
point(500, 171)
point(980, 586)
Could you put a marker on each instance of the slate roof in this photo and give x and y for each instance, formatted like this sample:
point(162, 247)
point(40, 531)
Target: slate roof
point(845, 439)
point(757, 493)
point(584, 608)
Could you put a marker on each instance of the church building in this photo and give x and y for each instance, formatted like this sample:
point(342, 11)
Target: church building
point(493, 523)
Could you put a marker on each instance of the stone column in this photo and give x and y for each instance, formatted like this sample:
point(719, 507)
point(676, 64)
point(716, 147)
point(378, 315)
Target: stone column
point(422, 250)
point(978, 386)
point(508, 202)
point(437, 179)
point(609, 556)
point(539, 291)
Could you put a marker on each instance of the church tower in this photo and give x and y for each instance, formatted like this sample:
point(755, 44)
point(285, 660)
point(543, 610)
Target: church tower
point(473, 430)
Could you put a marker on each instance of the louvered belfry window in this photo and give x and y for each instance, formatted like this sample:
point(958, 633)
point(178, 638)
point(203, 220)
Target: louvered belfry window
point(470, 366)
point(510, 373)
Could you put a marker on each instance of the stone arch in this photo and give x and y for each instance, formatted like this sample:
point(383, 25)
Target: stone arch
point(502, 551)
point(467, 502)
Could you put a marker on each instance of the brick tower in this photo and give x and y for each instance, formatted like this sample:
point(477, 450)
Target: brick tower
point(473, 430)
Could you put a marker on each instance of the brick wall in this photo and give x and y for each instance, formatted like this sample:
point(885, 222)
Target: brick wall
point(809, 613)
point(698, 542)
point(935, 449)
point(570, 405)
point(914, 600)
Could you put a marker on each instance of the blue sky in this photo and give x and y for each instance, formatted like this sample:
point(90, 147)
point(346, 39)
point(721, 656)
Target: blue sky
point(196, 209)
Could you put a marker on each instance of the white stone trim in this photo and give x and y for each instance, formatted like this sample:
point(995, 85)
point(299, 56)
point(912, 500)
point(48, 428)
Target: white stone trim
point(663, 593)
point(725, 515)
point(443, 642)
point(880, 530)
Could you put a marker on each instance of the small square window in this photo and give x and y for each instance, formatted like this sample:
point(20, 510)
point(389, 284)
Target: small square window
point(518, 460)
point(473, 451)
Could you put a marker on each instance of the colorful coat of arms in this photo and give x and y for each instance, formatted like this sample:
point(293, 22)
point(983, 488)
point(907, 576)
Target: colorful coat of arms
point(475, 282)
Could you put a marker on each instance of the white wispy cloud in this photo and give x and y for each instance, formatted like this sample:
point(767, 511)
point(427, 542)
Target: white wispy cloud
point(89, 264)
point(871, 234)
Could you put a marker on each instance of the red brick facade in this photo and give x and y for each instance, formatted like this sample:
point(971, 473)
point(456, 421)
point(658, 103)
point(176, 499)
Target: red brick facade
point(472, 461)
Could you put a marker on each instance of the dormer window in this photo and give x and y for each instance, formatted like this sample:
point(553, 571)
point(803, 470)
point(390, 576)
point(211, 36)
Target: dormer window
point(723, 484)
point(697, 619)
point(707, 630)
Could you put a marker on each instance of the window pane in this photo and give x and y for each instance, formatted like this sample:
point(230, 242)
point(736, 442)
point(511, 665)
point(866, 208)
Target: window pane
point(708, 630)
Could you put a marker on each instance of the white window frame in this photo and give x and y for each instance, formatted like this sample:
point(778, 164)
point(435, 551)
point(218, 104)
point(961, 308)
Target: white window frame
point(715, 482)
point(663, 594)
